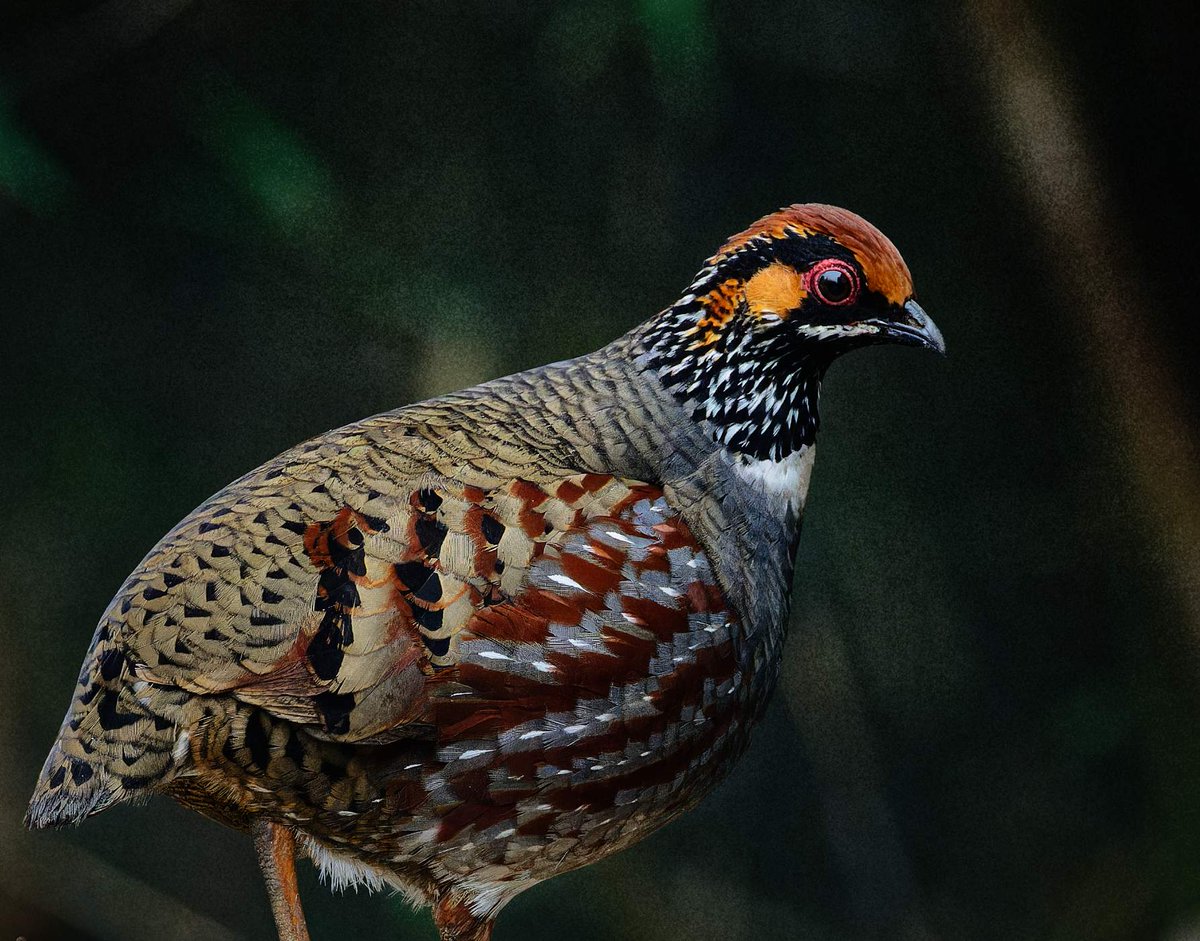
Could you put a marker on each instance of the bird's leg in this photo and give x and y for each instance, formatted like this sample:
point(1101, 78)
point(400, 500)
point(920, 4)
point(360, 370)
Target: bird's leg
point(276, 848)
point(456, 922)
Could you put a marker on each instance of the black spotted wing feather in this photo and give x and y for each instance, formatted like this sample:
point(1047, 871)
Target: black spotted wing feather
point(329, 590)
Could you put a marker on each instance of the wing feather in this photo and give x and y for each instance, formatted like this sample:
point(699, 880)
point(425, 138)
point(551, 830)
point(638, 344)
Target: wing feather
point(332, 587)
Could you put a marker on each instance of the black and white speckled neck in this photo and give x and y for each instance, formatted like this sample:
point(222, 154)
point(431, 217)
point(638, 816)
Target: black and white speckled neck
point(755, 388)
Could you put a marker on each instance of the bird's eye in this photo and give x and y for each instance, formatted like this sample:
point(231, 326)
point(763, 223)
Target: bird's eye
point(834, 286)
point(833, 282)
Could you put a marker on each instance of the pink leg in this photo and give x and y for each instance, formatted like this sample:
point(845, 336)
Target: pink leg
point(276, 848)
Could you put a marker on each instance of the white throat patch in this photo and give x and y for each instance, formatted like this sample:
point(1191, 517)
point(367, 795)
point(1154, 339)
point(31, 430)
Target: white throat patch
point(786, 479)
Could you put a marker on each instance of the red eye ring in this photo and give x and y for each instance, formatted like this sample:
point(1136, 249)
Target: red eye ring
point(833, 282)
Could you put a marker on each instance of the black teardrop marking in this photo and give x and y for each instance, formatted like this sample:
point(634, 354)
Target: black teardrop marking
point(337, 597)
point(413, 574)
point(493, 530)
point(430, 534)
point(257, 741)
point(80, 772)
point(335, 711)
point(110, 718)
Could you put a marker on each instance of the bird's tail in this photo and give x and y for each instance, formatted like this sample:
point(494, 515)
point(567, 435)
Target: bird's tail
point(116, 743)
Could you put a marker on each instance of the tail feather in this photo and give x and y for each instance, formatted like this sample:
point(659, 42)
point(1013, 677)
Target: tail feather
point(68, 790)
point(116, 743)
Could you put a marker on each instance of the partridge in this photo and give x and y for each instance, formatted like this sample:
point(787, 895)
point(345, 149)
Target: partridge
point(464, 646)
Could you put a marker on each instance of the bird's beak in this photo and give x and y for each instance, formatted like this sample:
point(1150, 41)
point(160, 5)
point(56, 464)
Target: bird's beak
point(916, 329)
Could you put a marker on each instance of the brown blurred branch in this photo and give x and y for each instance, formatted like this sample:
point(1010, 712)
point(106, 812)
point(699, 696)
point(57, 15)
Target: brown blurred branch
point(1037, 122)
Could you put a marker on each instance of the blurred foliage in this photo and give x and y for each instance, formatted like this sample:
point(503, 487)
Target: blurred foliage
point(225, 227)
point(29, 175)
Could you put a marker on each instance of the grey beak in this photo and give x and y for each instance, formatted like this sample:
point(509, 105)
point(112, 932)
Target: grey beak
point(917, 329)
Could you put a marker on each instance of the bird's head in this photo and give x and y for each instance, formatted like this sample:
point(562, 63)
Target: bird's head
point(747, 345)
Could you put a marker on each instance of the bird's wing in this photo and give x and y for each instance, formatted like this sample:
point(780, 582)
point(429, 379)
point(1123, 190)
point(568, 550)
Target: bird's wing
point(366, 585)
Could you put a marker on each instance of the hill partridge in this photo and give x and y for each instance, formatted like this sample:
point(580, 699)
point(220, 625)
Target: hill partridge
point(469, 644)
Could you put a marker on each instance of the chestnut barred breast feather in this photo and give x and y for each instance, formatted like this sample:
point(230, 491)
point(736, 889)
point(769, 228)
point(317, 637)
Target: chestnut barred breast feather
point(464, 646)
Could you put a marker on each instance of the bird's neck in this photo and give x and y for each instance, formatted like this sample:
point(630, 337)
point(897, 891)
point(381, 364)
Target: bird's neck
point(757, 393)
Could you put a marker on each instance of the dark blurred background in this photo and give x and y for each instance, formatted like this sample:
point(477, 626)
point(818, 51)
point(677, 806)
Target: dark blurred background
point(227, 226)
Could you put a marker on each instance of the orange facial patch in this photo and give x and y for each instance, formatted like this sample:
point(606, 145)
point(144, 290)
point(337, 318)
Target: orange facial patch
point(885, 270)
point(776, 289)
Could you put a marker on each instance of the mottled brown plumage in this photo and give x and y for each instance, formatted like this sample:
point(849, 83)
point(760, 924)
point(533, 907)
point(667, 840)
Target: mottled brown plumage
point(464, 646)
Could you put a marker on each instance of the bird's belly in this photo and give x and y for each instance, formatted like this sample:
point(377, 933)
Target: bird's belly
point(490, 837)
point(515, 808)
point(572, 803)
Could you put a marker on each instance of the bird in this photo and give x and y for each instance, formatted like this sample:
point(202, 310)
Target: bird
point(461, 647)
